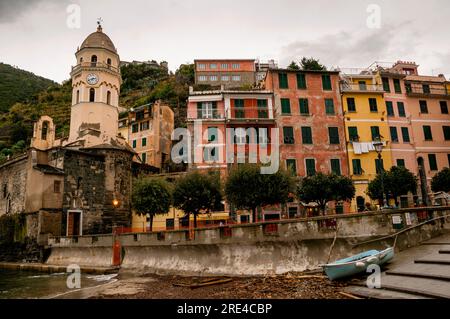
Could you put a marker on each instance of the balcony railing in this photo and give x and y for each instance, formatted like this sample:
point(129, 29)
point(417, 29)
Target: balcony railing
point(251, 113)
point(94, 65)
point(206, 116)
point(431, 90)
point(347, 87)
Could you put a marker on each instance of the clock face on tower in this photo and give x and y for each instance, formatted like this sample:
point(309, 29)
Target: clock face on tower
point(92, 78)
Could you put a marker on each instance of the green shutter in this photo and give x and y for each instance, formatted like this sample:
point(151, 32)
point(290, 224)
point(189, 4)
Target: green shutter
point(301, 81)
point(401, 109)
point(433, 162)
point(288, 134)
point(283, 80)
point(373, 105)
point(386, 86)
point(353, 133)
point(379, 165)
point(304, 108)
point(400, 162)
point(306, 135)
point(423, 106)
point(329, 106)
point(375, 130)
point(446, 130)
point(397, 86)
point(351, 105)
point(405, 135)
point(310, 167)
point(144, 141)
point(333, 134)
point(427, 133)
point(285, 106)
point(394, 135)
point(389, 108)
point(326, 82)
point(357, 170)
point(336, 166)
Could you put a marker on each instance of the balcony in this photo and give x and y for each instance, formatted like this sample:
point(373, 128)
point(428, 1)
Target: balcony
point(362, 88)
point(206, 115)
point(250, 113)
point(419, 90)
point(93, 66)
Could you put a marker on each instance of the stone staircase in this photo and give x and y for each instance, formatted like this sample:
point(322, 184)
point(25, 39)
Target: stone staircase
point(418, 273)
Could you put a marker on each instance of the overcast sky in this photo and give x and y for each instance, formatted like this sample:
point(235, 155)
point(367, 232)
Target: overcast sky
point(35, 35)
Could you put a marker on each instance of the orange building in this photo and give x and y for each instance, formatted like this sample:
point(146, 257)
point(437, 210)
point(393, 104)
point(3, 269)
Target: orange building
point(226, 72)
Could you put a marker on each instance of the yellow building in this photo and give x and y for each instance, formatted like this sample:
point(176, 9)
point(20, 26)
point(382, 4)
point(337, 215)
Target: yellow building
point(365, 122)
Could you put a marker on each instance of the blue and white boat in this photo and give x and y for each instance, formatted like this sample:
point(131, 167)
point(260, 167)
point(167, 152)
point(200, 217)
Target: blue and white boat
point(358, 263)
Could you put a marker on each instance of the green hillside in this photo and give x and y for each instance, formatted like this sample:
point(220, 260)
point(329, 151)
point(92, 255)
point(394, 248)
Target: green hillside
point(17, 85)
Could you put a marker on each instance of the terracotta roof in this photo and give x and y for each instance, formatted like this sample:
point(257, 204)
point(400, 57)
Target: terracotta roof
point(424, 78)
point(98, 39)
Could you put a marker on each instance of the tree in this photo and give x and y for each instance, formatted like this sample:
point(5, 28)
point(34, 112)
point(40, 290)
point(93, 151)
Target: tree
point(397, 181)
point(322, 188)
point(247, 188)
point(197, 193)
point(441, 181)
point(311, 64)
point(293, 66)
point(151, 196)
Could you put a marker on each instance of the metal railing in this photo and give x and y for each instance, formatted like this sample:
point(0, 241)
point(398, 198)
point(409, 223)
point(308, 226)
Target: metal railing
point(347, 87)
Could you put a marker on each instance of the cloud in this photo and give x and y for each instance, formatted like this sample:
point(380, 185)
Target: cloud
point(12, 10)
point(354, 48)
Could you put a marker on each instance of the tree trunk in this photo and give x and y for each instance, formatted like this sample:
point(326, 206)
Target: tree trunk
point(254, 214)
point(195, 220)
point(151, 222)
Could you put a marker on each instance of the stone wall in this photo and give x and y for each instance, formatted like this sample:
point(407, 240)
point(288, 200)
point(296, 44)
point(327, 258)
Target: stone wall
point(13, 176)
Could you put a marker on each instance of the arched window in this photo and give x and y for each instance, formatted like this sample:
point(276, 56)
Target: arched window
point(81, 60)
point(93, 60)
point(108, 97)
point(44, 130)
point(108, 62)
point(78, 96)
point(91, 95)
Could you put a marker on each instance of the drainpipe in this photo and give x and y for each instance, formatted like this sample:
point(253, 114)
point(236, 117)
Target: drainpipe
point(345, 131)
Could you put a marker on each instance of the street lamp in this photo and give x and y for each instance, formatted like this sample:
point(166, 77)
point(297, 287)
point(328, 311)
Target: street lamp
point(115, 203)
point(378, 144)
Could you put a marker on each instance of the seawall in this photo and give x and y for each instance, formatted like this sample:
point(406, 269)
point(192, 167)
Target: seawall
point(255, 249)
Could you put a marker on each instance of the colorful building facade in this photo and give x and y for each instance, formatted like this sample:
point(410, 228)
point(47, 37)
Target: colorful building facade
point(227, 72)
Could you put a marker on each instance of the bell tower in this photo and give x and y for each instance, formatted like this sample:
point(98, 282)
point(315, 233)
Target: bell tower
point(96, 84)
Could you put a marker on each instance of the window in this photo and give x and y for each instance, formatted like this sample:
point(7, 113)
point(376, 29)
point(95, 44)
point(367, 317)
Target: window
point(285, 106)
point(108, 97)
point(212, 134)
point(108, 61)
point(213, 78)
point(333, 134)
point(326, 82)
point(329, 106)
point(433, 162)
point(134, 143)
point(288, 135)
point(408, 87)
point(335, 166)
point(134, 128)
point(444, 107)
point(379, 165)
point(91, 95)
point(400, 162)
point(304, 108)
point(262, 109)
point(44, 130)
point(405, 135)
point(144, 141)
point(144, 125)
point(202, 78)
point(225, 78)
point(373, 105)
point(236, 78)
point(423, 107)
point(310, 166)
point(236, 66)
point(93, 60)
point(386, 86)
point(283, 81)
point(201, 66)
point(427, 133)
point(306, 135)
point(57, 187)
point(353, 133)
point(224, 66)
point(426, 88)
point(206, 110)
point(81, 60)
point(140, 115)
point(389, 108)
point(301, 81)
point(394, 135)
point(446, 130)
point(351, 105)
point(291, 166)
point(213, 66)
point(401, 109)
point(362, 85)
point(78, 96)
point(144, 157)
point(357, 169)
point(375, 130)
point(397, 86)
